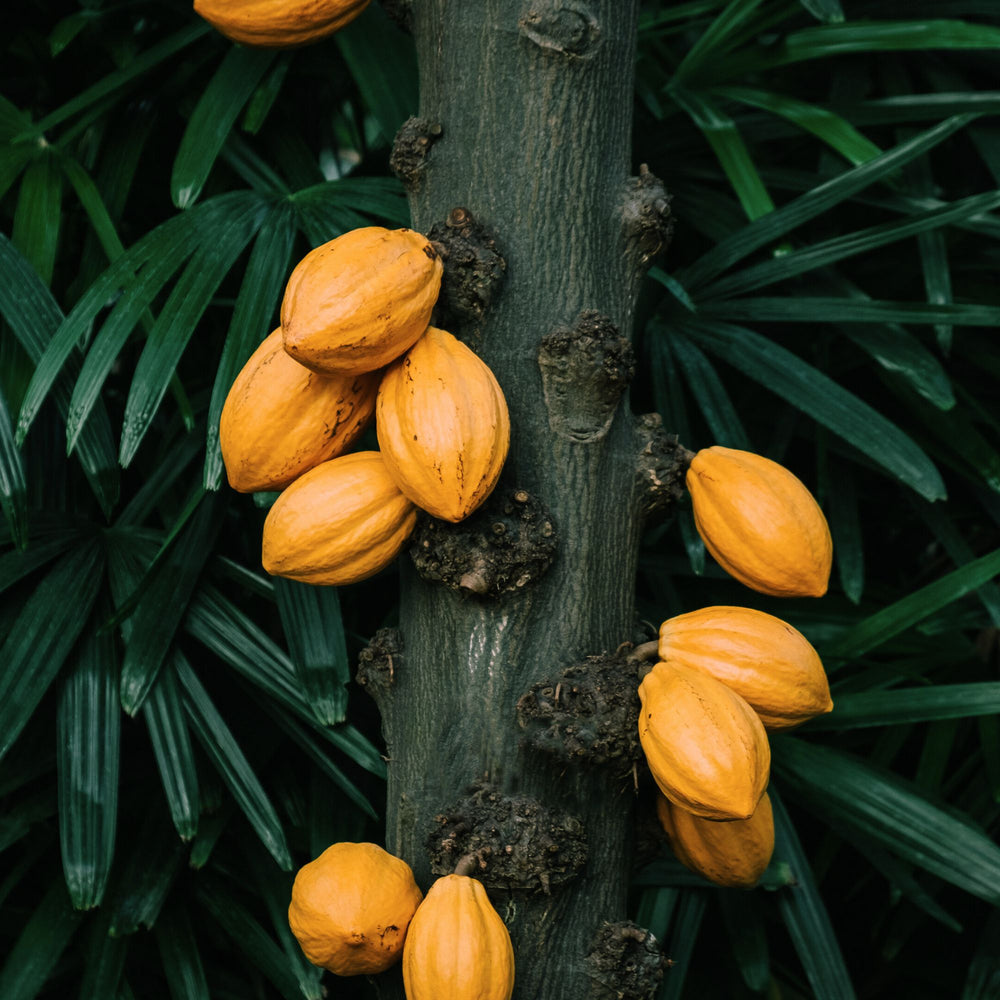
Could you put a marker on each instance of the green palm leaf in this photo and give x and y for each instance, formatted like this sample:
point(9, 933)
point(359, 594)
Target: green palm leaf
point(853, 795)
point(43, 636)
point(88, 725)
point(214, 115)
point(782, 372)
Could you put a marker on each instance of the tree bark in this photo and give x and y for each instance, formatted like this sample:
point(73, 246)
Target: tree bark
point(526, 127)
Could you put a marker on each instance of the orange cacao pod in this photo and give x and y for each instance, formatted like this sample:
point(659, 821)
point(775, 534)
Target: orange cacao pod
point(762, 658)
point(732, 853)
point(358, 302)
point(351, 907)
point(443, 426)
point(705, 746)
point(280, 419)
point(338, 523)
point(457, 946)
point(760, 523)
point(278, 24)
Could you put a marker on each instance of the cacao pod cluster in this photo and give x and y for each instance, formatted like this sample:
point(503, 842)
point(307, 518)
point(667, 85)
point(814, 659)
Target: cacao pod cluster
point(355, 342)
point(357, 910)
point(724, 677)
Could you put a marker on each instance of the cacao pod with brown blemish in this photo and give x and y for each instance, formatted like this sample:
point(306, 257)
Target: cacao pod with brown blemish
point(457, 947)
point(705, 746)
point(351, 908)
point(339, 523)
point(443, 426)
point(280, 419)
point(762, 658)
point(760, 523)
point(361, 300)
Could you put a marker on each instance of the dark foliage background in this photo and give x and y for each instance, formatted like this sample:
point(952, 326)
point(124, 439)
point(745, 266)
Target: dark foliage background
point(179, 732)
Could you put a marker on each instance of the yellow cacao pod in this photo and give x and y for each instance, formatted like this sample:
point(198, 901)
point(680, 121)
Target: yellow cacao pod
point(762, 658)
point(280, 419)
point(443, 426)
point(358, 302)
point(351, 908)
point(278, 24)
point(457, 946)
point(733, 853)
point(705, 746)
point(338, 523)
point(760, 523)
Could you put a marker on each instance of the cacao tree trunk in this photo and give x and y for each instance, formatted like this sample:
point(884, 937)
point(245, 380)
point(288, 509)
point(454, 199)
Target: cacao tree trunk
point(524, 130)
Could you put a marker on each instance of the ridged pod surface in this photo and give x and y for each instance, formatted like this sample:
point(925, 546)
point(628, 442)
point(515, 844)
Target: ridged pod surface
point(760, 523)
point(360, 301)
point(762, 658)
point(705, 746)
point(443, 425)
point(278, 24)
point(457, 946)
point(281, 419)
point(351, 908)
point(733, 853)
point(338, 523)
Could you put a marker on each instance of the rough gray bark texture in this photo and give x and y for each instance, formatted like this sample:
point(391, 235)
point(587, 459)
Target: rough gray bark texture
point(525, 118)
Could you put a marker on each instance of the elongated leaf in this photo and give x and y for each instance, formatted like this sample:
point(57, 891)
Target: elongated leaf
point(381, 197)
point(850, 794)
point(322, 762)
point(250, 939)
point(805, 916)
point(105, 959)
point(904, 705)
point(837, 132)
point(813, 203)
point(88, 723)
point(684, 934)
point(34, 316)
point(796, 309)
point(831, 12)
point(842, 247)
point(121, 78)
point(845, 527)
point(983, 979)
point(39, 946)
point(383, 64)
point(229, 760)
point(723, 136)
point(256, 304)
point(166, 247)
point(913, 608)
point(743, 915)
point(179, 954)
point(93, 204)
point(787, 375)
point(38, 215)
point(214, 115)
point(275, 889)
point(717, 39)
point(709, 393)
point(16, 565)
point(43, 635)
point(177, 321)
point(153, 865)
point(164, 603)
point(311, 619)
point(166, 720)
point(13, 489)
point(228, 633)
